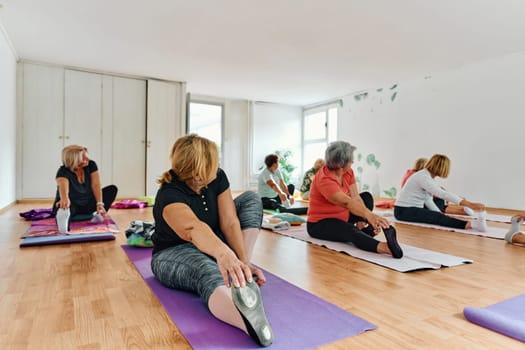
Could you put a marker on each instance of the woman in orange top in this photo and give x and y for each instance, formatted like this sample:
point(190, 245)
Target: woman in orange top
point(335, 206)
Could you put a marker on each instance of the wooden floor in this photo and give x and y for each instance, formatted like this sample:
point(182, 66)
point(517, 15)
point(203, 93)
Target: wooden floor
point(89, 295)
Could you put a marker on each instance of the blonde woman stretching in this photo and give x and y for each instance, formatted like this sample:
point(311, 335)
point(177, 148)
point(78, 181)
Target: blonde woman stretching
point(203, 238)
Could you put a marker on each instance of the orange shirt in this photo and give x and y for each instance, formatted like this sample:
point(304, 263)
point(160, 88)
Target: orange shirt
point(325, 185)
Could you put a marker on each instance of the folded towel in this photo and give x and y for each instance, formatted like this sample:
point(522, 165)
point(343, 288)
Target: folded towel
point(281, 225)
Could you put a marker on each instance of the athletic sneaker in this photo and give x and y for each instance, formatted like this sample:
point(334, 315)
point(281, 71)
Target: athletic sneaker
point(249, 303)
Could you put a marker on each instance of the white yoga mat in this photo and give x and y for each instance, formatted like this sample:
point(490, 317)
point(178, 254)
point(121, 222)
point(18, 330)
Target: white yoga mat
point(492, 232)
point(413, 258)
point(490, 217)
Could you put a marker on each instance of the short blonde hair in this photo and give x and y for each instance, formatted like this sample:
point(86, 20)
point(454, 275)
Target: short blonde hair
point(438, 165)
point(319, 163)
point(419, 164)
point(192, 156)
point(72, 156)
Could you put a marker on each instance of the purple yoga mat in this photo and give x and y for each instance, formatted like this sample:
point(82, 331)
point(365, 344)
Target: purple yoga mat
point(507, 317)
point(66, 239)
point(299, 320)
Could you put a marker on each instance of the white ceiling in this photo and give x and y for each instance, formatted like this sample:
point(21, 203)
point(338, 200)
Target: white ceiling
point(286, 51)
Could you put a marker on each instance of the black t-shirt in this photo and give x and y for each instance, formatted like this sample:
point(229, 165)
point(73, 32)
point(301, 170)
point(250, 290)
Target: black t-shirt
point(80, 194)
point(204, 206)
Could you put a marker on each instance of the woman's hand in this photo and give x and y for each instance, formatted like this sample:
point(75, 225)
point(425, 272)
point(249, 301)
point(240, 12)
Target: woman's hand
point(64, 203)
point(261, 280)
point(282, 196)
point(474, 206)
point(101, 210)
point(233, 269)
point(377, 222)
point(292, 199)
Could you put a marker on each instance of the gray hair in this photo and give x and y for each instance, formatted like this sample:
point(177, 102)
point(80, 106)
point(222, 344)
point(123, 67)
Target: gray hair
point(338, 154)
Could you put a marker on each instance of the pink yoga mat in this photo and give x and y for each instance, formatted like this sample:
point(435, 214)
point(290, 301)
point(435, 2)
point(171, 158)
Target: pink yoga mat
point(48, 227)
point(299, 319)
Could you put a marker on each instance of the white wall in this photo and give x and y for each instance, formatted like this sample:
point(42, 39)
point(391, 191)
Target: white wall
point(275, 127)
point(474, 114)
point(7, 121)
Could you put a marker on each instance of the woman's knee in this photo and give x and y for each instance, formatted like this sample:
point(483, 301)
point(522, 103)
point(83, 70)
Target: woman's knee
point(249, 209)
point(368, 199)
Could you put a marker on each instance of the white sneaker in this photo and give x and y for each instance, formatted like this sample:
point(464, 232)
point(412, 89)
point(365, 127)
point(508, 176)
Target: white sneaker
point(62, 219)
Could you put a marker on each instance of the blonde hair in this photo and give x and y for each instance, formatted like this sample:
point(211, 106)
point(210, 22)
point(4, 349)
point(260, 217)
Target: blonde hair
point(72, 156)
point(438, 165)
point(419, 164)
point(192, 156)
point(319, 163)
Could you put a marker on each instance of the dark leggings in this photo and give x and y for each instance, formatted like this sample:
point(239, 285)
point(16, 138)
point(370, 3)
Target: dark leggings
point(186, 268)
point(109, 193)
point(276, 203)
point(414, 214)
point(440, 203)
point(340, 231)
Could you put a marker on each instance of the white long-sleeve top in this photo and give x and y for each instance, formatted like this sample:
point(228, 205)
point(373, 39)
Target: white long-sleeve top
point(419, 190)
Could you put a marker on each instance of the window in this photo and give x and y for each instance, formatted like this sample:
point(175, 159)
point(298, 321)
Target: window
point(319, 129)
point(205, 119)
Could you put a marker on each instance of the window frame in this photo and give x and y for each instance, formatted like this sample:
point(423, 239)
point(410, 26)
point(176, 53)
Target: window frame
point(211, 103)
point(307, 111)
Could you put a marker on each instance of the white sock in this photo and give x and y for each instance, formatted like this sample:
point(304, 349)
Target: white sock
point(481, 223)
point(515, 224)
point(62, 218)
point(468, 211)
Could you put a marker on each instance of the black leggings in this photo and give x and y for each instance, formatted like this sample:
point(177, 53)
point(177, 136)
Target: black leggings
point(414, 214)
point(340, 231)
point(109, 193)
point(276, 203)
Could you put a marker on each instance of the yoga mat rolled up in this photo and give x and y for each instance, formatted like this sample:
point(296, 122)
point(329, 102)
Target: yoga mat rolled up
point(299, 320)
point(507, 317)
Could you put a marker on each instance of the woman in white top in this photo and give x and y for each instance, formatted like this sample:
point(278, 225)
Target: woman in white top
point(274, 193)
point(415, 203)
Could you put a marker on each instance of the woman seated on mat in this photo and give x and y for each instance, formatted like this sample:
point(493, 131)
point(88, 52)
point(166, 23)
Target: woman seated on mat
point(515, 235)
point(443, 206)
point(308, 178)
point(338, 213)
point(275, 194)
point(415, 202)
point(418, 165)
point(78, 188)
point(204, 239)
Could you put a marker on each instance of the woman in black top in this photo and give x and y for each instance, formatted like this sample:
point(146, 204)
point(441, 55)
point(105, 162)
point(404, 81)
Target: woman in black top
point(78, 185)
point(204, 238)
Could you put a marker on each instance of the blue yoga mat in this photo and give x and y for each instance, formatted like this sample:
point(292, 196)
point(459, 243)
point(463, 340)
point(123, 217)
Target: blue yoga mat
point(507, 317)
point(299, 320)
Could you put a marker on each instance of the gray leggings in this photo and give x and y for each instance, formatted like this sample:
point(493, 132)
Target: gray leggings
point(186, 268)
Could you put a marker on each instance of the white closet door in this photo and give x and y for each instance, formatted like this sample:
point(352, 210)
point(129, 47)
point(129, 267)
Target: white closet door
point(83, 112)
point(129, 136)
point(42, 129)
point(165, 123)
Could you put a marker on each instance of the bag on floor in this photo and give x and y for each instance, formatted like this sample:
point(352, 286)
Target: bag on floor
point(139, 233)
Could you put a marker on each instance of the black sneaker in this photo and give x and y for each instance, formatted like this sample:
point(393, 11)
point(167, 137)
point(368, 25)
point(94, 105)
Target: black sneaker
point(249, 303)
point(391, 240)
